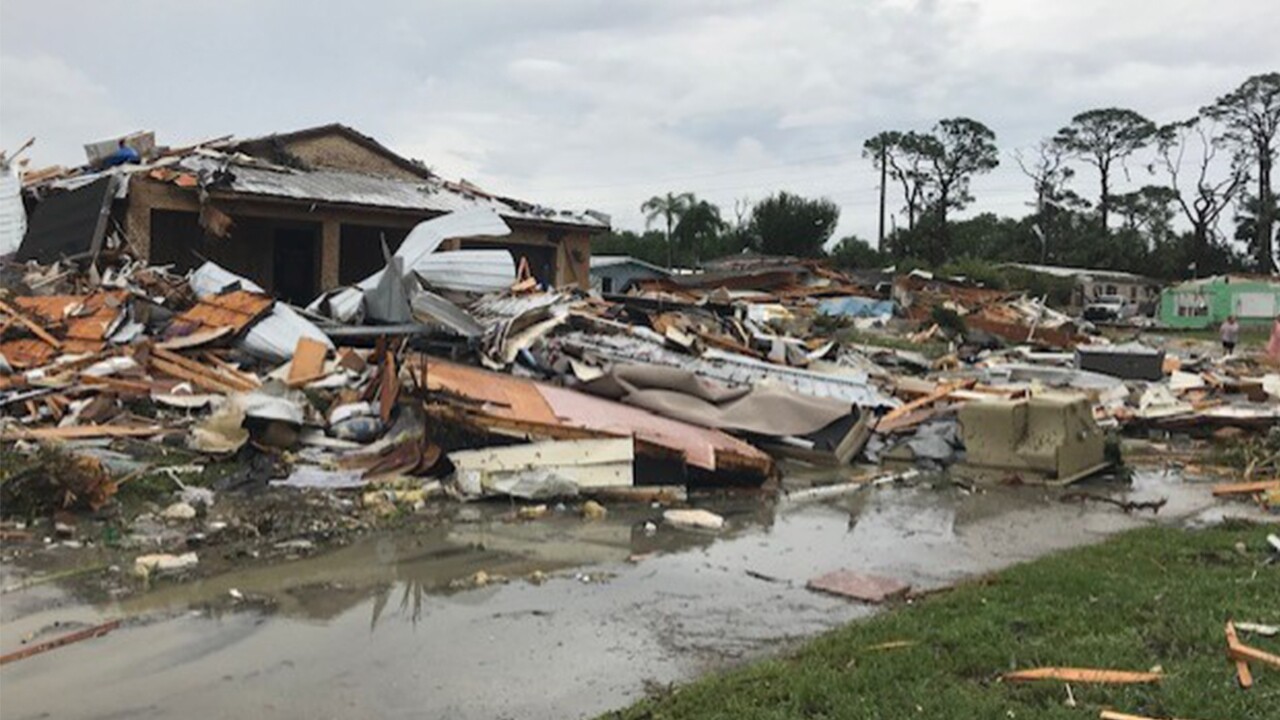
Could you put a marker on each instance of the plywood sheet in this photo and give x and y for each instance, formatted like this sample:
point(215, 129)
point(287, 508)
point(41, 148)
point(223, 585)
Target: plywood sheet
point(499, 395)
point(237, 310)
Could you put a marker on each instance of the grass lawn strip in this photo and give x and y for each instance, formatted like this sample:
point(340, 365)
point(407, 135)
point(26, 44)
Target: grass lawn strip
point(1155, 598)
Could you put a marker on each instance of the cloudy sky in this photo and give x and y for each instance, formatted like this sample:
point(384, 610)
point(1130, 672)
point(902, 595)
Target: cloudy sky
point(603, 103)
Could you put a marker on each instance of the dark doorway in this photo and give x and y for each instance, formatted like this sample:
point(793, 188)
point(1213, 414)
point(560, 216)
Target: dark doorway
point(360, 250)
point(295, 264)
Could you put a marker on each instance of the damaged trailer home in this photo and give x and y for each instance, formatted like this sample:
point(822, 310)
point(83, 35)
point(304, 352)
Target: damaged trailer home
point(297, 213)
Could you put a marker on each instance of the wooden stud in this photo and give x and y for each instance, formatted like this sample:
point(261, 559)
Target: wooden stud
point(1242, 667)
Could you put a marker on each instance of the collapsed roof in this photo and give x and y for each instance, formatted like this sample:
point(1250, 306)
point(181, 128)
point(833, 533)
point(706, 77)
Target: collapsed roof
point(261, 167)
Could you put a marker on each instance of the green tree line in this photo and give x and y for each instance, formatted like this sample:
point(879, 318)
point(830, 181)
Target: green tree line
point(1213, 211)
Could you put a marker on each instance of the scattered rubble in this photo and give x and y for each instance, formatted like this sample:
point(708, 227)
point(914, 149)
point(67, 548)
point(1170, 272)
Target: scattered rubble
point(166, 397)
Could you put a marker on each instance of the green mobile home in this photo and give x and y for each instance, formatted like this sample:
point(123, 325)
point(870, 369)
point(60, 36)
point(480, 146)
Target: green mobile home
point(1208, 301)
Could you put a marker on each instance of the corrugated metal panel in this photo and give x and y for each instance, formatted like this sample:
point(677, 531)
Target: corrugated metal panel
point(491, 309)
point(480, 271)
point(337, 186)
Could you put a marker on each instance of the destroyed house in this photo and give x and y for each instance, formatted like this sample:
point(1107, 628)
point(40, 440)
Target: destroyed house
point(297, 212)
point(1206, 302)
point(617, 273)
point(1089, 285)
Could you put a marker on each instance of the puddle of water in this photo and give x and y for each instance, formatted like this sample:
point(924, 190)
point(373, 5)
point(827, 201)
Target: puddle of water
point(374, 629)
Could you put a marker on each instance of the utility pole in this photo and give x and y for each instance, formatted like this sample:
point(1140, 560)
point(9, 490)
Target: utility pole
point(883, 176)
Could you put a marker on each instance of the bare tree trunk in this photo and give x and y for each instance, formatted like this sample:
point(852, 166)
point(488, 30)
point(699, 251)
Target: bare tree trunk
point(1266, 223)
point(884, 176)
point(669, 253)
point(1104, 202)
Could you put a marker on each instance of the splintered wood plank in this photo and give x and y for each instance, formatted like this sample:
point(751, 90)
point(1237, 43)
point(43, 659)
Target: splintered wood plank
point(941, 393)
point(80, 432)
point(31, 325)
point(1113, 715)
point(203, 336)
point(1242, 666)
point(118, 385)
point(75, 637)
point(237, 309)
point(1246, 488)
point(188, 369)
point(1240, 651)
point(1084, 675)
point(389, 391)
point(308, 360)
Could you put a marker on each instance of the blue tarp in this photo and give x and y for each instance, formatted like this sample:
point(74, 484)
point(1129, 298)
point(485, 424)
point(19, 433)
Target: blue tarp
point(853, 306)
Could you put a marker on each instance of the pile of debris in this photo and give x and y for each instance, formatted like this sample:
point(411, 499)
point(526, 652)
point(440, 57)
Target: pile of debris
point(422, 381)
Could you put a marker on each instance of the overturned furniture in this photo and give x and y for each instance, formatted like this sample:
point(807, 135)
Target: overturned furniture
point(1049, 438)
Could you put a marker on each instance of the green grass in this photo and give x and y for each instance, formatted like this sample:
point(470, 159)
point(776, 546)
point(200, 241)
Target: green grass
point(1153, 597)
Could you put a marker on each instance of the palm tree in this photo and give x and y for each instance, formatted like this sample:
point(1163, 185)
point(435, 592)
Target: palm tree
point(701, 223)
point(668, 207)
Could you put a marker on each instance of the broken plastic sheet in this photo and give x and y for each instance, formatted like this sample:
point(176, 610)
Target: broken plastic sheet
point(857, 307)
point(1158, 401)
point(223, 431)
point(310, 476)
point(1271, 385)
point(213, 279)
point(529, 484)
point(265, 406)
point(13, 215)
point(275, 336)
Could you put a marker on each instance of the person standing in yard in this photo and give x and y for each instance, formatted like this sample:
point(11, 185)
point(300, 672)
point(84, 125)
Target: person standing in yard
point(1229, 332)
point(1273, 346)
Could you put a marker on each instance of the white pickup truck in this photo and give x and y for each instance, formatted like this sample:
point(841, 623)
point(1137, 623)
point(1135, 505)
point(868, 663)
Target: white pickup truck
point(1109, 308)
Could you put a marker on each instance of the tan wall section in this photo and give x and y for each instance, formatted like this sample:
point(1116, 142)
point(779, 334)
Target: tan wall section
point(575, 260)
point(336, 151)
point(572, 257)
point(147, 195)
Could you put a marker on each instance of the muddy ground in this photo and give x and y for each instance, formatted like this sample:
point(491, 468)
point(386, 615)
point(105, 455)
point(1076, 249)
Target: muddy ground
point(471, 613)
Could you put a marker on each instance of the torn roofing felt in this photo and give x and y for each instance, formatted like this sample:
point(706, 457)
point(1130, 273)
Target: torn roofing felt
point(69, 224)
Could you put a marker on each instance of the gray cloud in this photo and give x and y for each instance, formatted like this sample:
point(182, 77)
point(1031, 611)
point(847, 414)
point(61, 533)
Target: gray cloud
point(598, 103)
